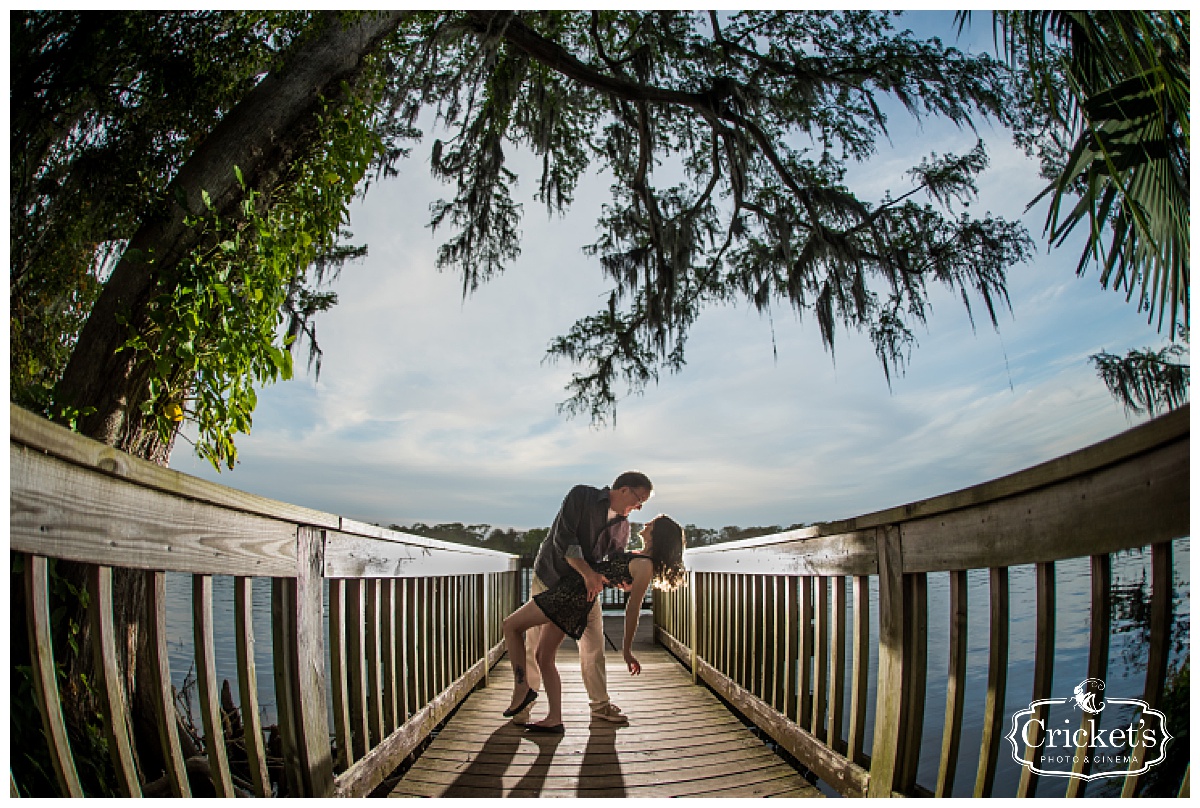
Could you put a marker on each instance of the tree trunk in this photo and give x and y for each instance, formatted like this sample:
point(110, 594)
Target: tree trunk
point(270, 128)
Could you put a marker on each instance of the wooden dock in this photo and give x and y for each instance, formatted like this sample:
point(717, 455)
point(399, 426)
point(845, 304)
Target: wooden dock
point(791, 630)
point(680, 741)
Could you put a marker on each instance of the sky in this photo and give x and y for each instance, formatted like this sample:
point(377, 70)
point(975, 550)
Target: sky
point(431, 408)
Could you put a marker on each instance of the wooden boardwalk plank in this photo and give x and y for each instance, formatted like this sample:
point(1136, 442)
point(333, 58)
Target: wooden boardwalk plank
point(632, 762)
point(680, 741)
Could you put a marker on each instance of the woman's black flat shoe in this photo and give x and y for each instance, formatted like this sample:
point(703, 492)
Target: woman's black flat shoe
point(553, 729)
point(530, 695)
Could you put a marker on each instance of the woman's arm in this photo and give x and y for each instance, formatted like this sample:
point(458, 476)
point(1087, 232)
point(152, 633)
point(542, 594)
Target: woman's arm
point(642, 570)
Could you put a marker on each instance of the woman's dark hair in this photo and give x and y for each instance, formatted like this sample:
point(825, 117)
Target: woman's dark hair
point(666, 552)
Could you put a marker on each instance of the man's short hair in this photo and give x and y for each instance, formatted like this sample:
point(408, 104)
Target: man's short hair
point(633, 479)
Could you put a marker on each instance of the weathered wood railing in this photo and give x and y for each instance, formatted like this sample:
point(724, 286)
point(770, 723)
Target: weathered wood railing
point(767, 622)
point(413, 623)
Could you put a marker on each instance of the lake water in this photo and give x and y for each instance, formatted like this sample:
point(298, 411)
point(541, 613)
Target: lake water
point(1124, 680)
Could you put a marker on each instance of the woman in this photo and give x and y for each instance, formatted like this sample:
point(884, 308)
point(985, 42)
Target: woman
point(563, 608)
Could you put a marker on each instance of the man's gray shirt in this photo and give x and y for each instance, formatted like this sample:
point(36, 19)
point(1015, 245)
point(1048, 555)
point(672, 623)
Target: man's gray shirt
point(581, 529)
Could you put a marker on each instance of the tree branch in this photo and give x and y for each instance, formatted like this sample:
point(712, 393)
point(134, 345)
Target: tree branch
point(524, 39)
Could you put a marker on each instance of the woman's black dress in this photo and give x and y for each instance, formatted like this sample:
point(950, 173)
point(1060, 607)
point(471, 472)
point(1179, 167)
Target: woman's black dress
point(566, 603)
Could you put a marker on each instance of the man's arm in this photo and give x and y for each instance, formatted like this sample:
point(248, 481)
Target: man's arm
point(593, 580)
point(569, 540)
point(570, 516)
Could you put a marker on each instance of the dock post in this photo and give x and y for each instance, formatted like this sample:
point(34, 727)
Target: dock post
point(694, 619)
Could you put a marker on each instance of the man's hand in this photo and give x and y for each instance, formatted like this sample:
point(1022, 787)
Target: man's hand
point(594, 582)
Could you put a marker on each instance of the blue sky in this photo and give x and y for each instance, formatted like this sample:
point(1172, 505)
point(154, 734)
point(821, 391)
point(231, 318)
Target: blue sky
point(431, 408)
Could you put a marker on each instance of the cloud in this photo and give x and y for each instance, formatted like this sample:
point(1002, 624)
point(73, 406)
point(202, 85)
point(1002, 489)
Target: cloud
point(449, 415)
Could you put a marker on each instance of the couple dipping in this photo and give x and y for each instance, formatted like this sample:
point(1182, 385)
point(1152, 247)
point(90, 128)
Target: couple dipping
point(585, 550)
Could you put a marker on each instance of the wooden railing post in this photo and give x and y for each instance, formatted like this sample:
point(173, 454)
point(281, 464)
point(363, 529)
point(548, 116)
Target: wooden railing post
point(793, 632)
point(916, 625)
point(374, 691)
point(339, 664)
point(112, 695)
point(1160, 651)
point(993, 710)
point(391, 675)
point(45, 684)
point(820, 680)
point(1043, 672)
point(356, 670)
point(859, 673)
point(256, 756)
point(1097, 663)
point(804, 619)
point(300, 670)
point(208, 690)
point(164, 701)
point(889, 692)
point(956, 683)
point(694, 628)
point(837, 665)
point(485, 616)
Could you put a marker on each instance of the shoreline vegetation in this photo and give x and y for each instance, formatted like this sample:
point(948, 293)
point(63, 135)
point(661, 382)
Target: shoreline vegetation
point(525, 543)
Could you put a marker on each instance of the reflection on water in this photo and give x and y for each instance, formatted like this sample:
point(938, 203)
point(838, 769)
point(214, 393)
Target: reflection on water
point(1124, 678)
point(180, 646)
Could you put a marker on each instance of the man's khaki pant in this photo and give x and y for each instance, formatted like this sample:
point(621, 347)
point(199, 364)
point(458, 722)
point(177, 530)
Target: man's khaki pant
point(591, 653)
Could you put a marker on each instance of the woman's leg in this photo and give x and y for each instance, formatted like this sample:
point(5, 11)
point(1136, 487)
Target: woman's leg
point(551, 639)
point(515, 626)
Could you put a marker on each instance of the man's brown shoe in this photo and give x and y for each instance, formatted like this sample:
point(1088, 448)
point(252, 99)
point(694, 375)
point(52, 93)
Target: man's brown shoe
point(610, 712)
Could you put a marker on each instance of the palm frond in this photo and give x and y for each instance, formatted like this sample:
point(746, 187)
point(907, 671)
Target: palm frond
point(1127, 79)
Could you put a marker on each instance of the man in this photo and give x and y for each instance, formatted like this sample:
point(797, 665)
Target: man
point(591, 525)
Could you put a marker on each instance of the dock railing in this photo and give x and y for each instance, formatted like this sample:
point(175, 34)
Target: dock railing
point(413, 623)
point(767, 622)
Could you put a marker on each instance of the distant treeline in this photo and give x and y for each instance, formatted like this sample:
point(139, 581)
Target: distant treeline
point(526, 542)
